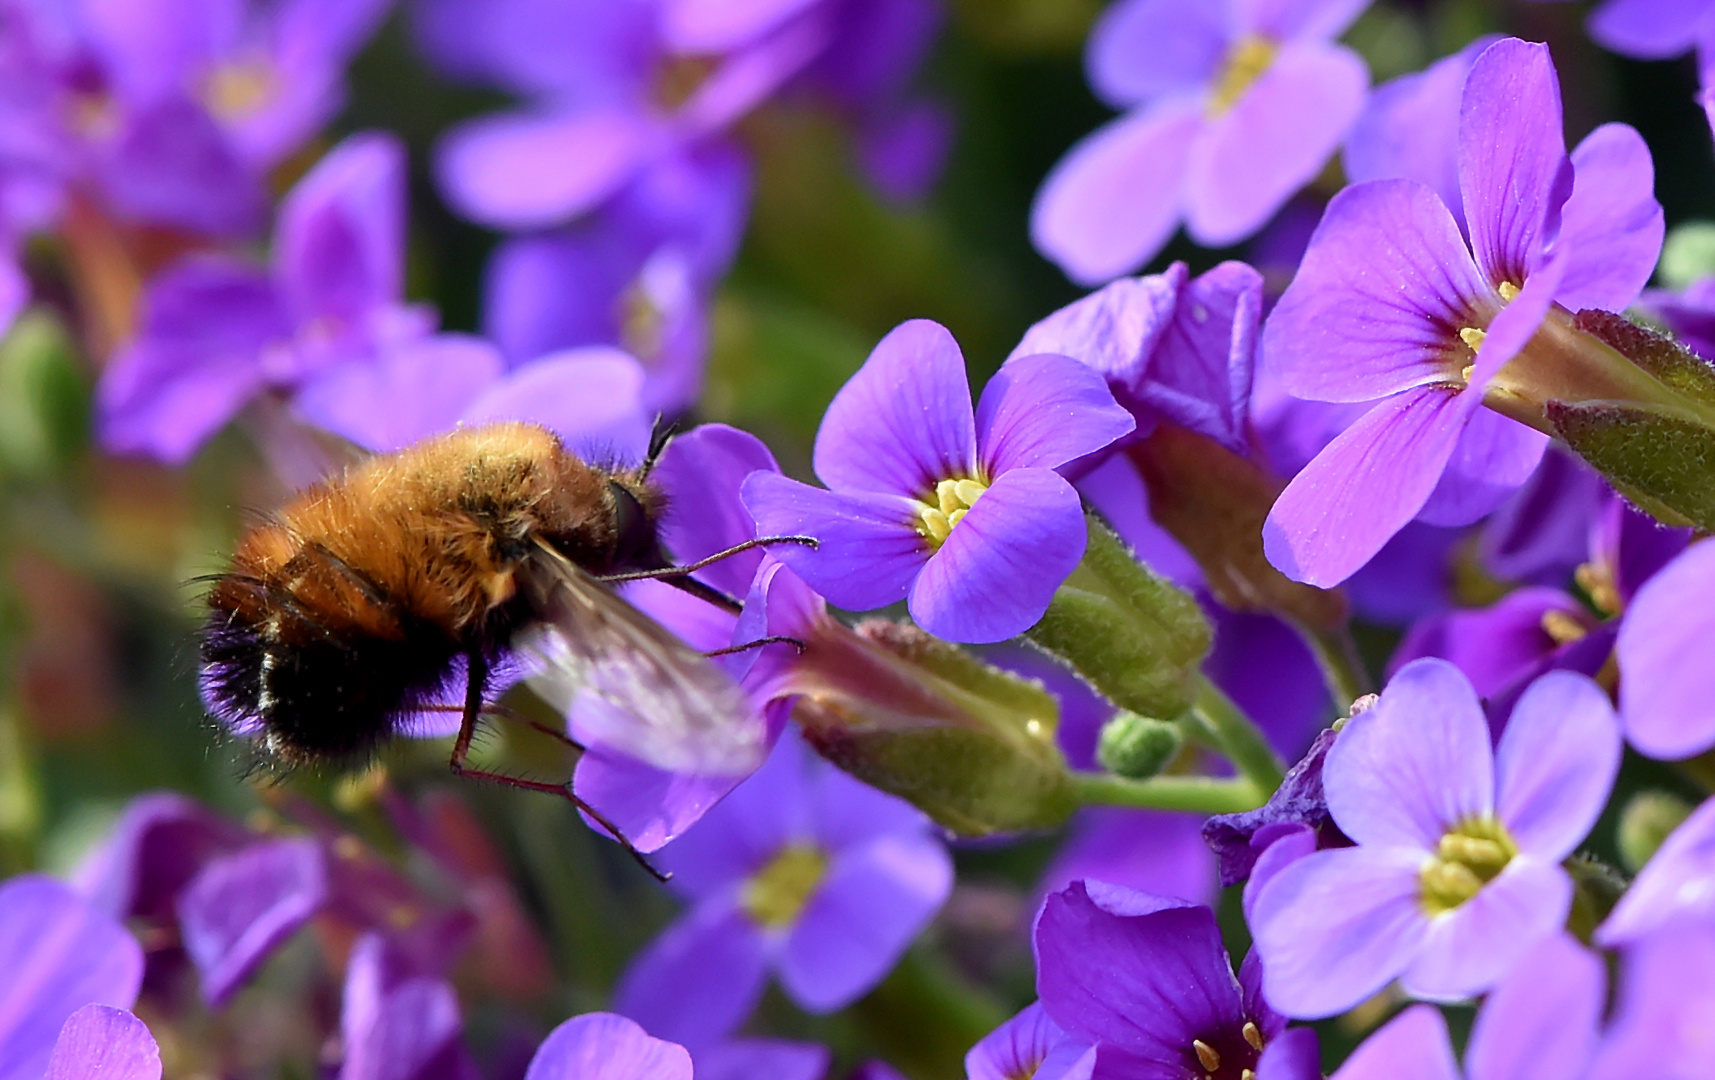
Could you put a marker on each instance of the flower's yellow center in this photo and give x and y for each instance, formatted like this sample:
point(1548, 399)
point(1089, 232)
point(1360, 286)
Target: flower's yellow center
point(776, 895)
point(1468, 857)
point(1244, 65)
point(1597, 581)
point(953, 500)
point(240, 88)
point(1562, 628)
point(1474, 336)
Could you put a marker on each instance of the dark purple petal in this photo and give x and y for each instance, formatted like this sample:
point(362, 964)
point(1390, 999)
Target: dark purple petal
point(100, 1042)
point(243, 906)
point(1649, 29)
point(397, 1026)
point(1336, 926)
point(576, 50)
point(1294, 1055)
point(1138, 977)
point(1022, 1047)
point(1672, 887)
point(1144, 49)
point(1556, 763)
point(603, 1046)
point(997, 571)
point(844, 812)
point(155, 848)
point(1542, 1019)
point(339, 245)
point(1362, 489)
point(1379, 300)
point(1199, 376)
point(903, 423)
point(590, 397)
point(1113, 201)
point(1298, 801)
point(1667, 692)
point(60, 954)
point(1114, 330)
point(1513, 170)
point(409, 392)
point(1494, 645)
point(873, 902)
point(1612, 225)
point(1418, 763)
point(529, 170)
point(869, 549)
point(699, 979)
point(1543, 532)
point(749, 1059)
point(1632, 546)
point(1262, 663)
point(1467, 950)
point(903, 154)
point(1667, 993)
point(1412, 1046)
point(1273, 141)
point(1045, 411)
point(1494, 457)
point(1152, 851)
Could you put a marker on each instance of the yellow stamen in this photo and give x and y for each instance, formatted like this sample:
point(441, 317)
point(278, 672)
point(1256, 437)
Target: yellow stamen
point(1473, 337)
point(776, 895)
point(239, 89)
point(1253, 1035)
point(1562, 628)
point(946, 507)
point(1508, 291)
point(1206, 1054)
point(1245, 63)
point(1468, 856)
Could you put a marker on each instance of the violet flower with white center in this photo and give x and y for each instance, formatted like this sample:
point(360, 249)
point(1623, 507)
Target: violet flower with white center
point(1666, 681)
point(1457, 870)
point(1147, 982)
point(803, 871)
point(60, 954)
point(908, 462)
point(1391, 303)
point(1541, 1020)
point(1677, 885)
point(1233, 108)
point(1030, 1045)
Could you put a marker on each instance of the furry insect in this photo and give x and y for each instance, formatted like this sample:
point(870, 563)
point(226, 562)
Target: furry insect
point(368, 597)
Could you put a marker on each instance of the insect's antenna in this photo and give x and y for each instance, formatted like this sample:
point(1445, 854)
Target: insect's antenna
point(659, 436)
point(667, 573)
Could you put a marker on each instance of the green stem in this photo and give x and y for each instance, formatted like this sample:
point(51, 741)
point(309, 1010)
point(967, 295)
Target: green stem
point(1197, 794)
point(1240, 741)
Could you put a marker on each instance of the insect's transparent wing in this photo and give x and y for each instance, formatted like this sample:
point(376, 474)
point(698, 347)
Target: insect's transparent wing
point(637, 688)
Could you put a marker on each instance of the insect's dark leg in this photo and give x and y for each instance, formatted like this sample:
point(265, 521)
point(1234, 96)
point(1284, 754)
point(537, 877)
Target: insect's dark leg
point(473, 709)
point(776, 639)
point(667, 573)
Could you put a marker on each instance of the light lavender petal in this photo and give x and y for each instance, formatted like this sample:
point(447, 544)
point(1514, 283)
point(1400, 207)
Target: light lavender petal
point(1556, 763)
point(100, 1042)
point(1471, 948)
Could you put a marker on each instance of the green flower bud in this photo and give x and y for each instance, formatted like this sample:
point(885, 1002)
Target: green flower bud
point(1645, 823)
point(1137, 747)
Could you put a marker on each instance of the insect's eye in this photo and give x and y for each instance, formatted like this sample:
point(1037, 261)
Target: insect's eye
point(634, 530)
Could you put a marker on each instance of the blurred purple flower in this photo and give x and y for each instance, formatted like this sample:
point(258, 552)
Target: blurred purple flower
point(1147, 982)
point(603, 1046)
point(1666, 683)
point(61, 954)
point(1657, 30)
point(908, 461)
point(1233, 107)
point(802, 870)
point(1689, 313)
point(100, 1042)
point(1677, 885)
point(1492, 646)
point(1391, 303)
point(1030, 1045)
point(776, 1059)
point(1660, 1024)
point(1540, 1021)
point(1456, 869)
point(398, 1023)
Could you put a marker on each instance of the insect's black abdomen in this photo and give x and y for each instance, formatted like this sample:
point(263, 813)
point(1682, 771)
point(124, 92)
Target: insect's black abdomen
point(328, 699)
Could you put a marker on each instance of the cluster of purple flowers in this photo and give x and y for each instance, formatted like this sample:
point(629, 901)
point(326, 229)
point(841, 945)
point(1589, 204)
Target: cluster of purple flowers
point(1179, 491)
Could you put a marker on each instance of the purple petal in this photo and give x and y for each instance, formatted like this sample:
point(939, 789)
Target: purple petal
point(1513, 170)
point(100, 1042)
point(699, 979)
point(997, 571)
point(1469, 949)
point(1667, 994)
point(1543, 532)
point(1292, 842)
point(1336, 926)
point(869, 552)
point(1556, 763)
point(776, 1059)
point(903, 154)
point(1667, 692)
point(1541, 1020)
point(873, 902)
point(1494, 457)
point(1200, 374)
point(701, 471)
point(14, 291)
point(1273, 141)
point(1612, 225)
point(1677, 882)
point(1492, 646)
point(155, 848)
point(1022, 1046)
point(395, 1026)
point(590, 397)
point(1412, 1046)
point(1143, 49)
point(1152, 851)
point(747, 77)
point(147, 46)
point(242, 906)
point(1113, 330)
point(407, 393)
point(1383, 290)
point(1518, 322)
point(844, 812)
point(1414, 766)
point(716, 26)
point(650, 806)
point(1363, 488)
point(1237, 839)
point(1044, 411)
point(603, 1046)
point(1648, 29)
point(1294, 1055)
point(339, 246)
point(60, 954)
point(903, 423)
point(1633, 546)
point(172, 165)
point(521, 170)
point(1113, 201)
point(1292, 20)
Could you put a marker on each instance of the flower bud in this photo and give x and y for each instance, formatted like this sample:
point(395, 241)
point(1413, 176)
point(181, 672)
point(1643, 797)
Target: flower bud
point(1137, 747)
point(1645, 823)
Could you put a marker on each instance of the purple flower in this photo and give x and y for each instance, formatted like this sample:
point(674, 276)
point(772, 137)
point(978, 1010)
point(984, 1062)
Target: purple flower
point(1666, 684)
point(1494, 645)
point(397, 1023)
point(602, 1046)
point(1147, 982)
point(1391, 303)
point(1540, 1021)
point(1030, 1045)
point(60, 955)
point(1689, 313)
point(1676, 885)
point(802, 870)
point(1456, 869)
point(100, 1042)
point(908, 462)
point(1660, 1024)
point(1657, 30)
point(1299, 803)
point(1233, 107)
